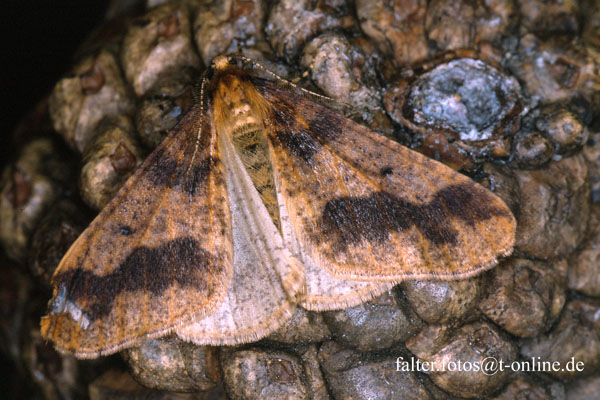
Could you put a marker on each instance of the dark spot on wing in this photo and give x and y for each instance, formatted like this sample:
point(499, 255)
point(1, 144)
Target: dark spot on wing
point(385, 171)
point(181, 261)
point(125, 230)
point(350, 220)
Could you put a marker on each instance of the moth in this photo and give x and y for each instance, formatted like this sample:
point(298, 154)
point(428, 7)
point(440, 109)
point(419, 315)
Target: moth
point(261, 200)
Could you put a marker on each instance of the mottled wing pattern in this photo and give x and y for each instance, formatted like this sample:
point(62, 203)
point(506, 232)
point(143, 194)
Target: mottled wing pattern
point(267, 279)
point(364, 207)
point(159, 255)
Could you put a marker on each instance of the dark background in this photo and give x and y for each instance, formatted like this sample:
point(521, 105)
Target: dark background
point(39, 38)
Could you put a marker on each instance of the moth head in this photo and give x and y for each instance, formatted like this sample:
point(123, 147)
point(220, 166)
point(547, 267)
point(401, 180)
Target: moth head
point(221, 62)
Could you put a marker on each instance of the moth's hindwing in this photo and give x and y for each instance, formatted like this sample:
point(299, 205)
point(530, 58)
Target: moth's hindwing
point(267, 279)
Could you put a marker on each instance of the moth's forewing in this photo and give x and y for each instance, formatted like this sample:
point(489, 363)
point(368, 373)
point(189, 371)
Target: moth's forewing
point(157, 256)
point(366, 208)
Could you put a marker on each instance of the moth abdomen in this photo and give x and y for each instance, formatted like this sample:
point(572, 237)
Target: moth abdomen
point(251, 145)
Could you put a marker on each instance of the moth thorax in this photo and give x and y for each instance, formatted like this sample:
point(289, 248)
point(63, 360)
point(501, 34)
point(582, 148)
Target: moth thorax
point(240, 112)
point(251, 144)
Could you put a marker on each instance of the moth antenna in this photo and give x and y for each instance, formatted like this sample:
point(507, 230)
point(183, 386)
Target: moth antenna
point(304, 74)
point(202, 115)
point(264, 69)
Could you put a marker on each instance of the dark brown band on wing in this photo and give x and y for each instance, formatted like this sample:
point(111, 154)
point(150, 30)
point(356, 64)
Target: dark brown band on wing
point(350, 220)
point(181, 261)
